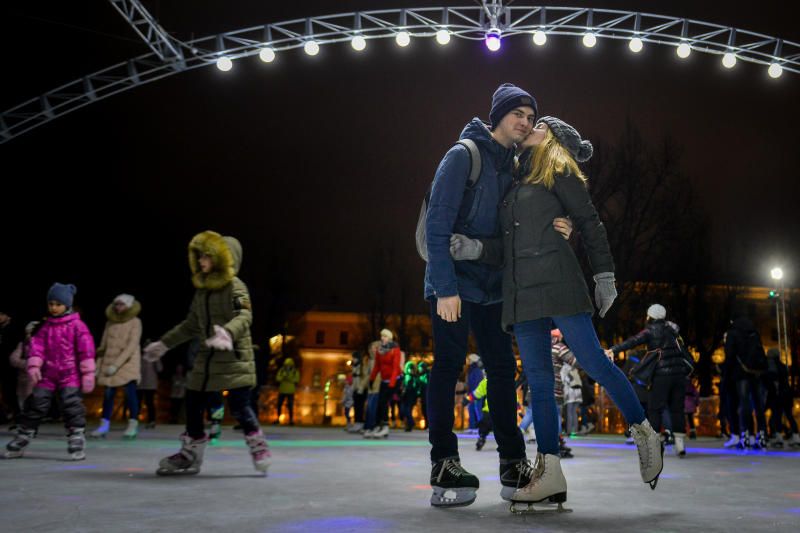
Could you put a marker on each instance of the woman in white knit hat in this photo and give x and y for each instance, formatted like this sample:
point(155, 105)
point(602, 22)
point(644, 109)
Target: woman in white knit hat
point(119, 362)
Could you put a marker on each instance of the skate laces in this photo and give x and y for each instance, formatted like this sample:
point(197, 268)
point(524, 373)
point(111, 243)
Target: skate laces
point(258, 445)
point(453, 467)
point(640, 437)
point(526, 469)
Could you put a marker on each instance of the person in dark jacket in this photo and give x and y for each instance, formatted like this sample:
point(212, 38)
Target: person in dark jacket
point(543, 284)
point(11, 334)
point(465, 296)
point(779, 399)
point(669, 380)
point(745, 352)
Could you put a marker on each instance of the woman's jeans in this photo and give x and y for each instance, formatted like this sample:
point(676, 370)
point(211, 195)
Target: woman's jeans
point(533, 339)
point(131, 399)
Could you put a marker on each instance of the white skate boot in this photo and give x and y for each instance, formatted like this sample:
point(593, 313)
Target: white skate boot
point(369, 433)
point(259, 450)
point(732, 442)
point(356, 427)
point(187, 461)
point(102, 429)
point(680, 445)
point(651, 452)
point(795, 440)
point(132, 430)
point(76, 442)
point(382, 432)
point(16, 447)
point(530, 435)
point(547, 483)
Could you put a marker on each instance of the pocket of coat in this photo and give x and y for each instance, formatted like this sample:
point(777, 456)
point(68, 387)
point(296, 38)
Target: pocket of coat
point(538, 267)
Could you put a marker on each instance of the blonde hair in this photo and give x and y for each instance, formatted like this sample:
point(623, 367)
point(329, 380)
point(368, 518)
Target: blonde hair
point(551, 158)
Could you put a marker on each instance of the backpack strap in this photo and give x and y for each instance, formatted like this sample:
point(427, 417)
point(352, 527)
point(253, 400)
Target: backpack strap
point(475, 161)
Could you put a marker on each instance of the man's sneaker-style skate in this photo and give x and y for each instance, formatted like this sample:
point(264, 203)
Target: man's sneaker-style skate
point(514, 475)
point(102, 429)
point(452, 485)
point(259, 450)
point(16, 447)
point(651, 452)
point(132, 430)
point(187, 461)
point(76, 442)
point(547, 484)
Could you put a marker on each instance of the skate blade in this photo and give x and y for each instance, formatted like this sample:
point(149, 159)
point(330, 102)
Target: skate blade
point(525, 508)
point(77, 456)
point(13, 455)
point(166, 472)
point(457, 497)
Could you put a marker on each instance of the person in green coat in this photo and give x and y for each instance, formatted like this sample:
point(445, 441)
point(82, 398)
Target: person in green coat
point(288, 377)
point(221, 314)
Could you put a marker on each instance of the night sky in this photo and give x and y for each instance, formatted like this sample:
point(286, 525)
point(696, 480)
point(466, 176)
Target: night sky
point(318, 164)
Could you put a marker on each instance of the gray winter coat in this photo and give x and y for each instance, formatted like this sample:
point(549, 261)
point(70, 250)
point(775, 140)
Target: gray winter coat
point(541, 274)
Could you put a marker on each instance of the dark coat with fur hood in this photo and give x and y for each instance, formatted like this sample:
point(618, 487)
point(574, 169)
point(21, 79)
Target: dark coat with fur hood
point(221, 299)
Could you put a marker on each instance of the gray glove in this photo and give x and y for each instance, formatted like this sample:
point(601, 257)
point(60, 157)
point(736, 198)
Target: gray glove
point(154, 351)
point(462, 248)
point(605, 292)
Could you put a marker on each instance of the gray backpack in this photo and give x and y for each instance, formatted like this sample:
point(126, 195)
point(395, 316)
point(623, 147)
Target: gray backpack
point(474, 174)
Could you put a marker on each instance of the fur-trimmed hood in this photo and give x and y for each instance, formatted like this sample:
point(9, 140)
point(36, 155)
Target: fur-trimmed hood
point(226, 253)
point(130, 313)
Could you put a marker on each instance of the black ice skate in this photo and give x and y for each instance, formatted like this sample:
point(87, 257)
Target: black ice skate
point(514, 475)
point(452, 485)
point(16, 447)
point(479, 444)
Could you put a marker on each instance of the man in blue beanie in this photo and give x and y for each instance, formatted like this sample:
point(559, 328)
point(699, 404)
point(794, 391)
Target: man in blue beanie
point(466, 295)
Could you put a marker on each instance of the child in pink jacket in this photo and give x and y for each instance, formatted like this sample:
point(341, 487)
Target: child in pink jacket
point(60, 361)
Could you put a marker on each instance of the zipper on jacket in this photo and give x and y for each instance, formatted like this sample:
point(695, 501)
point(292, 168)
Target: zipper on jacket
point(211, 350)
point(513, 249)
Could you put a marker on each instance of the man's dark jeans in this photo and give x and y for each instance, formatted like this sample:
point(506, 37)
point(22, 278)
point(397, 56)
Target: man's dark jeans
point(450, 352)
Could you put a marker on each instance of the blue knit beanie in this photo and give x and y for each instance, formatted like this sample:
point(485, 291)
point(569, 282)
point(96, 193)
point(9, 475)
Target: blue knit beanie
point(62, 293)
point(508, 97)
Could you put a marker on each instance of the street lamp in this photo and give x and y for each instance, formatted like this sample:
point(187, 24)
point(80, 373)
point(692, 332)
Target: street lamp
point(780, 313)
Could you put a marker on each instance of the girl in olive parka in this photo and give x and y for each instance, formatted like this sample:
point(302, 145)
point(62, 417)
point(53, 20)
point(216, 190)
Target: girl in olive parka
point(221, 314)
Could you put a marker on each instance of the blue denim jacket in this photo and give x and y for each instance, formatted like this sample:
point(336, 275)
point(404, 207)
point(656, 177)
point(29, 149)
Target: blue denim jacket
point(474, 213)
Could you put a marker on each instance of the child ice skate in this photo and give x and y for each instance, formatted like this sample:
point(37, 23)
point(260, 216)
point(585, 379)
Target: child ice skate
point(60, 361)
point(221, 314)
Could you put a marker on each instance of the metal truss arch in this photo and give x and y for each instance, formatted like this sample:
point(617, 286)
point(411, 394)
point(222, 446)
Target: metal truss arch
point(169, 56)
